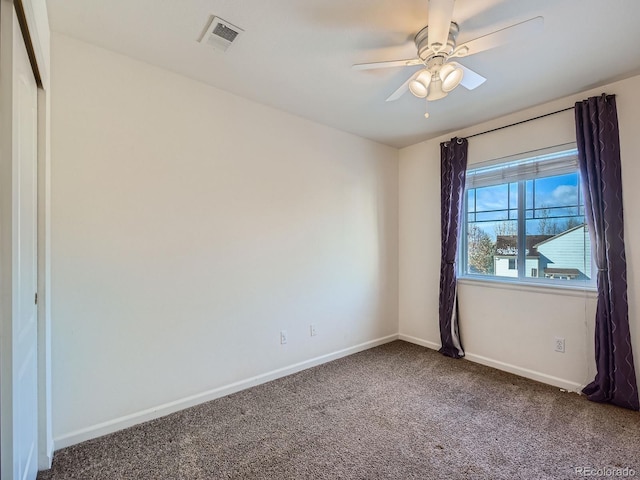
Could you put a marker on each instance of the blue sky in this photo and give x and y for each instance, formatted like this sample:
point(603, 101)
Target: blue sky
point(557, 191)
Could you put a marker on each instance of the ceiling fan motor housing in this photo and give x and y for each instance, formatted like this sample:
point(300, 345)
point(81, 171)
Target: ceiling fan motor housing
point(427, 50)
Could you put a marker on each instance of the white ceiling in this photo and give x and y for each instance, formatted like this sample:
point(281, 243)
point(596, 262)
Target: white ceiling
point(296, 55)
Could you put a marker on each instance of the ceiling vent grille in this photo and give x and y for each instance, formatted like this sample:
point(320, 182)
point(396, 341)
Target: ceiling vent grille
point(220, 34)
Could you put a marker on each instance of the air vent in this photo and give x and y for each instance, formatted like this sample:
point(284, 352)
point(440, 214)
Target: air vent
point(220, 34)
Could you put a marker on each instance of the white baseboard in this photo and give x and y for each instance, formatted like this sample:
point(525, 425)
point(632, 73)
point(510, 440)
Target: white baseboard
point(126, 421)
point(45, 459)
point(419, 341)
point(568, 385)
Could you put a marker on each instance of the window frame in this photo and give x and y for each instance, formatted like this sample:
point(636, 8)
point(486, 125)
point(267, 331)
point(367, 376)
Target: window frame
point(521, 279)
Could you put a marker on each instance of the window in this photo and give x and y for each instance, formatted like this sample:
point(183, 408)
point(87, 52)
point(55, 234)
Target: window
point(524, 220)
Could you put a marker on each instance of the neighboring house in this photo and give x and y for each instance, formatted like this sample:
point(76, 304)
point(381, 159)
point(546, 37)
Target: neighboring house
point(563, 256)
point(505, 261)
point(558, 256)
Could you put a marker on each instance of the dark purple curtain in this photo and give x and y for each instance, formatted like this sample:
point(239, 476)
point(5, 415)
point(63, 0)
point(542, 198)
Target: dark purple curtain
point(599, 157)
point(453, 169)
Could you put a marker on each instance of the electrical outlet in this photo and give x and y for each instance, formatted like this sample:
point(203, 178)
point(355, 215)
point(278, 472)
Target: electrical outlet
point(559, 344)
point(283, 337)
point(312, 330)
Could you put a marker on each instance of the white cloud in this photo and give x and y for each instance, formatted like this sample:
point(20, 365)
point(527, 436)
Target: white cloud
point(491, 199)
point(565, 195)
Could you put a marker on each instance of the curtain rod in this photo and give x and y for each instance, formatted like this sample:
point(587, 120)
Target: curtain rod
point(522, 121)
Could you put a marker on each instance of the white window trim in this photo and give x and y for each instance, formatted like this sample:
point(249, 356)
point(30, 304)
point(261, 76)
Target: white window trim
point(579, 288)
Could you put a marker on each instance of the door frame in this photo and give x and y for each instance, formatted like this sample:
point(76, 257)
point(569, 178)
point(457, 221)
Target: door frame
point(33, 20)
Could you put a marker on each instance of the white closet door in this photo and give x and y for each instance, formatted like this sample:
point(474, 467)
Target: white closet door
point(25, 327)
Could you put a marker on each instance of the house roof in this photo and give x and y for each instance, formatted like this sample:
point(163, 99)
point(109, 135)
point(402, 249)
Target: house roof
point(507, 245)
point(554, 237)
point(574, 272)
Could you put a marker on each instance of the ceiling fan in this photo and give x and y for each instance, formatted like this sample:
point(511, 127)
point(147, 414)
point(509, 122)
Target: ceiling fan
point(436, 47)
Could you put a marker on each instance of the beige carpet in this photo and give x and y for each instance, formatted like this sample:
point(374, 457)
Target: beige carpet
point(397, 411)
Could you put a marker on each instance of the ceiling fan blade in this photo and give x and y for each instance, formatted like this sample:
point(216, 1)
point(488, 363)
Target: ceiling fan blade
point(514, 33)
point(470, 79)
point(403, 88)
point(440, 15)
point(392, 63)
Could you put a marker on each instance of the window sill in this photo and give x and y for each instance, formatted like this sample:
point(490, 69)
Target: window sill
point(588, 291)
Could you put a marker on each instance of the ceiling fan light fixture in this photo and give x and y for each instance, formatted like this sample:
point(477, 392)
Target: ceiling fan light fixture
point(419, 86)
point(436, 92)
point(451, 76)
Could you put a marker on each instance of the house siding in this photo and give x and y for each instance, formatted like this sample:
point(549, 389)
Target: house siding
point(568, 251)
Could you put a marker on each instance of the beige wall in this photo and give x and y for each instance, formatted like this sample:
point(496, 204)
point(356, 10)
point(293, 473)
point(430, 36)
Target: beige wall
point(512, 328)
point(190, 226)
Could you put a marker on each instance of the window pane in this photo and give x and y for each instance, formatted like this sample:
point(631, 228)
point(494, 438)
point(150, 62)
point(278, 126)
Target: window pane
point(495, 205)
point(492, 216)
point(529, 195)
point(558, 191)
point(492, 198)
point(564, 255)
point(557, 238)
point(513, 195)
point(490, 248)
point(480, 249)
point(506, 255)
